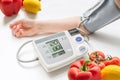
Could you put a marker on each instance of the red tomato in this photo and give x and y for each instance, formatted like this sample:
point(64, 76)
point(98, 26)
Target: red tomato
point(99, 55)
point(112, 61)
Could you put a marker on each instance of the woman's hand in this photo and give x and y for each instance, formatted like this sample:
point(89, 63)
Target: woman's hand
point(24, 28)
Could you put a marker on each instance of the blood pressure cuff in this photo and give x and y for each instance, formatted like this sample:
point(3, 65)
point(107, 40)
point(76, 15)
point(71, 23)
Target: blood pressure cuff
point(103, 13)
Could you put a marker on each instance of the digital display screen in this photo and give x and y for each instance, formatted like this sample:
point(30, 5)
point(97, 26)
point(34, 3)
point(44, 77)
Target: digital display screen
point(55, 48)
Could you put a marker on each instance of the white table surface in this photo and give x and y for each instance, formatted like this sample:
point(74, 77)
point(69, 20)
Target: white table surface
point(106, 39)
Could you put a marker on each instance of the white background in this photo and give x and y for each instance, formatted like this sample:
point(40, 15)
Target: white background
point(106, 39)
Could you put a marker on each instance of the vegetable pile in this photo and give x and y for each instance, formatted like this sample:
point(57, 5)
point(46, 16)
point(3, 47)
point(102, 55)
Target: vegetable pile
point(97, 67)
point(11, 7)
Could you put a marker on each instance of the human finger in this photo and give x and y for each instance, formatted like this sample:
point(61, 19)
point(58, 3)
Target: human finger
point(26, 33)
point(16, 23)
point(15, 30)
point(21, 33)
point(18, 34)
point(18, 27)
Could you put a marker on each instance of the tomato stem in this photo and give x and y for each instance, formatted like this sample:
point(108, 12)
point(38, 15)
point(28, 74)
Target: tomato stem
point(109, 57)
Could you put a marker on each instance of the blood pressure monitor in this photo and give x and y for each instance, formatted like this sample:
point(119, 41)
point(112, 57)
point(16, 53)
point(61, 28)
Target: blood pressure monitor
point(58, 50)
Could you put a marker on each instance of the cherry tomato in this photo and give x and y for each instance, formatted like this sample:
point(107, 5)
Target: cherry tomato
point(99, 55)
point(112, 61)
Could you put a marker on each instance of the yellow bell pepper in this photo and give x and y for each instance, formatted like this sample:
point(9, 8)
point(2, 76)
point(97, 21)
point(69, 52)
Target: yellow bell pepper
point(111, 72)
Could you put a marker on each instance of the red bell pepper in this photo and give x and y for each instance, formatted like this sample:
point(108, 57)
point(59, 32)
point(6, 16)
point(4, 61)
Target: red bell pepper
point(10, 7)
point(84, 70)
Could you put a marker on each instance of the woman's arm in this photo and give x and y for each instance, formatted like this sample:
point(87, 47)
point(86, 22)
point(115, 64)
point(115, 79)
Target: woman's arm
point(23, 28)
